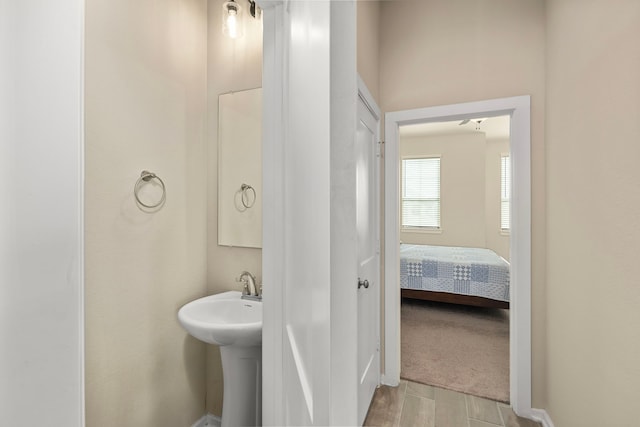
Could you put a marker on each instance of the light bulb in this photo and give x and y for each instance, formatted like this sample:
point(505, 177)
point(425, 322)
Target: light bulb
point(232, 24)
point(232, 19)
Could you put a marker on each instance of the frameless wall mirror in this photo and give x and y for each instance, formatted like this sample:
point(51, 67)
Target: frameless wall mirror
point(240, 169)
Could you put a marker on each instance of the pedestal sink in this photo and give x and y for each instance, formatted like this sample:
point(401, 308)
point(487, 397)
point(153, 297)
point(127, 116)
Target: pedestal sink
point(235, 325)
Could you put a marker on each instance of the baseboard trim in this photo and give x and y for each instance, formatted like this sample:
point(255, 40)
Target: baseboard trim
point(386, 381)
point(541, 416)
point(208, 420)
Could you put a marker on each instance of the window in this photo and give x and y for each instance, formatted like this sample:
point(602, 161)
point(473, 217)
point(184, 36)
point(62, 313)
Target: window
point(421, 193)
point(505, 192)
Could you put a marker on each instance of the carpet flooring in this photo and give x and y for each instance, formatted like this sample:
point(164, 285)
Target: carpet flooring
point(460, 348)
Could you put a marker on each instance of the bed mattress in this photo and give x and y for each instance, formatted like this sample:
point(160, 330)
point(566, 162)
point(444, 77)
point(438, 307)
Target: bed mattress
point(465, 271)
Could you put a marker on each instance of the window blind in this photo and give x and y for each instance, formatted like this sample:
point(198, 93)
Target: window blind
point(505, 191)
point(421, 192)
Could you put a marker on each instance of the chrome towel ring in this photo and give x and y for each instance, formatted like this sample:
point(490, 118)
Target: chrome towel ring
point(248, 201)
point(146, 176)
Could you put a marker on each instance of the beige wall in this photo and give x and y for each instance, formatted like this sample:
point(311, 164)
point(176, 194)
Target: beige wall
point(150, 103)
point(469, 190)
point(593, 134)
point(436, 52)
point(368, 44)
point(145, 108)
point(232, 65)
point(462, 187)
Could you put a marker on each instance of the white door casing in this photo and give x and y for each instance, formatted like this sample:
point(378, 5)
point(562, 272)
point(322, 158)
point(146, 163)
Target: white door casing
point(309, 213)
point(520, 252)
point(368, 226)
point(306, 307)
point(41, 213)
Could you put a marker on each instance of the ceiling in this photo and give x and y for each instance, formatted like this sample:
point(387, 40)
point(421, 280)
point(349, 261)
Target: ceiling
point(492, 127)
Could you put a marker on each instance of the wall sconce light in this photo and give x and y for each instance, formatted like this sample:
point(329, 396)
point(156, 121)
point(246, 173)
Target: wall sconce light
point(232, 24)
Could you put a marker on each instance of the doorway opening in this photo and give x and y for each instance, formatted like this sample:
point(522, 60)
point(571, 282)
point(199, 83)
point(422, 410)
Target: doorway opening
point(454, 255)
point(518, 109)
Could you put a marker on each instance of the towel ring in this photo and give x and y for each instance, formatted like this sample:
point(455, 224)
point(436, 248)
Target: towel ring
point(245, 188)
point(146, 176)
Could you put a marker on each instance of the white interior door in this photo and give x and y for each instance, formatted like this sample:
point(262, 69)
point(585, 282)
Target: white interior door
point(367, 153)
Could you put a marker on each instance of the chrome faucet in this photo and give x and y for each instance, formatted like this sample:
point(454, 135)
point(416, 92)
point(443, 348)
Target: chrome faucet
point(250, 291)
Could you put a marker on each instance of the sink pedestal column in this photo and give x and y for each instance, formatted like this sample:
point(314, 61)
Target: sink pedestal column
point(242, 374)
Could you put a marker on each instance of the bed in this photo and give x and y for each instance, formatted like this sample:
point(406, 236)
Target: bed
point(469, 276)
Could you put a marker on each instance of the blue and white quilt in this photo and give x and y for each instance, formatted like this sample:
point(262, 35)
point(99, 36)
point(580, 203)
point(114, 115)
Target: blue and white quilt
point(466, 271)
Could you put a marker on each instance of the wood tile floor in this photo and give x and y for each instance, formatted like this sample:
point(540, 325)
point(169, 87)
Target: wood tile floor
point(418, 405)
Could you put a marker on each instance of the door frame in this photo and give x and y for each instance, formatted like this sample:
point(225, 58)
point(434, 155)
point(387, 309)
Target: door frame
point(369, 102)
point(519, 109)
point(42, 161)
point(273, 254)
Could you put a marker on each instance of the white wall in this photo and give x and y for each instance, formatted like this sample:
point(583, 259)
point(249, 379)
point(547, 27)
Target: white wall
point(593, 135)
point(145, 109)
point(41, 283)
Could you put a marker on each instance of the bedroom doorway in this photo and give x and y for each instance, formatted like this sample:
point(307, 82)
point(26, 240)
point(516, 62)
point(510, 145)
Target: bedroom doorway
point(518, 110)
point(454, 255)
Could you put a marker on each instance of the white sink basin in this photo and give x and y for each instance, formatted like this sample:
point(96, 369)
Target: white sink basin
point(235, 325)
point(224, 319)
